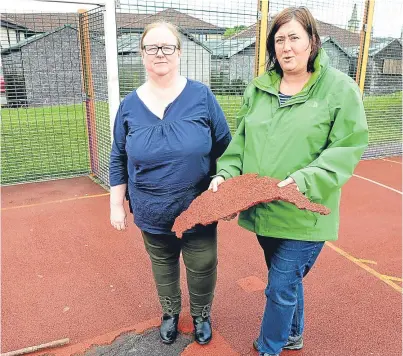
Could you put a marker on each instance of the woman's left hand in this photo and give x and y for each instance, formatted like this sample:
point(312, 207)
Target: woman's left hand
point(286, 182)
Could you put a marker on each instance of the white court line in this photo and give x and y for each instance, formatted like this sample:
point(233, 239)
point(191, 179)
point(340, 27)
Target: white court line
point(380, 184)
point(389, 160)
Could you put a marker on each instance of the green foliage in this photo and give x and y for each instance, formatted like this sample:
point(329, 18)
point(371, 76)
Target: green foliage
point(233, 30)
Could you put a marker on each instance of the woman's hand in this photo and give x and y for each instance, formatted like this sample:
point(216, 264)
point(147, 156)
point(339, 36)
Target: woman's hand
point(288, 181)
point(118, 217)
point(215, 183)
point(214, 187)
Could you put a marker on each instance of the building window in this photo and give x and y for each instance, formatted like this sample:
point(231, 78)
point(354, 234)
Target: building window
point(392, 66)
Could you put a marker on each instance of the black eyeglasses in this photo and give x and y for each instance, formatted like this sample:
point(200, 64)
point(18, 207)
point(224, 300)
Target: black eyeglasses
point(166, 49)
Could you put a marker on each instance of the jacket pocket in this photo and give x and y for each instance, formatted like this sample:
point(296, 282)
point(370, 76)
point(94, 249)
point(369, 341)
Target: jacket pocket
point(287, 215)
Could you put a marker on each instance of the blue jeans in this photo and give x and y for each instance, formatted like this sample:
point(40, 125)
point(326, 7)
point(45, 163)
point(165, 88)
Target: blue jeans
point(288, 262)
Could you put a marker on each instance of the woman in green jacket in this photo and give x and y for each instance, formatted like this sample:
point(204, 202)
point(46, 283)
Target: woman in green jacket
point(302, 122)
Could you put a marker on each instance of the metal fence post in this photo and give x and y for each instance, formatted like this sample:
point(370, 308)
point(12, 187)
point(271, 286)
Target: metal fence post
point(111, 49)
point(365, 39)
point(257, 47)
point(85, 46)
point(261, 35)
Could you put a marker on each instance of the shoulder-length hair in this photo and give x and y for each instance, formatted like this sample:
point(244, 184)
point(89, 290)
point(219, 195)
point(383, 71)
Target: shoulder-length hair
point(305, 18)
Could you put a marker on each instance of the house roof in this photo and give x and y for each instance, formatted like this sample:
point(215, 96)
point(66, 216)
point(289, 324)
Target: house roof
point(377, 45)
point(182, 20)
point(31, 39)
point(343, 37)
point(229, 47)
point(37, 37)
point(129, 43)
point(40, 22)
point(330, 39)
point(44, 22)
point(23, 43)
point(380, 46)
point(8, 24)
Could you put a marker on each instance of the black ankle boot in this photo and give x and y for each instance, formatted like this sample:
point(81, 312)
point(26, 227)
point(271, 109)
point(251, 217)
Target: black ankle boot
point(169, 328)
point(203, 332)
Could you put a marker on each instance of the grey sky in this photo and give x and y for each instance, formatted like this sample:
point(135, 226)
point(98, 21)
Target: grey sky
point(388, 18)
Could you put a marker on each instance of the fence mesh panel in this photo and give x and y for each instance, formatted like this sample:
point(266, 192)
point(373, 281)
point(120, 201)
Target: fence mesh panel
point(383, 81)
point(43, 131)
point(95, 83)
point(55, 119)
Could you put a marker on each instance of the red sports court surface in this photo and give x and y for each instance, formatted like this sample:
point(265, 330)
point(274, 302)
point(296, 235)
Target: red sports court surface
point(67, 274)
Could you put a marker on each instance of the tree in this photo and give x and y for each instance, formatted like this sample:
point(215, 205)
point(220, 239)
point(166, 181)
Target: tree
point(230, 31)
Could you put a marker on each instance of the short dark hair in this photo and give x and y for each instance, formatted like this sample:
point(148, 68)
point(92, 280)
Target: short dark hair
point(305, 18)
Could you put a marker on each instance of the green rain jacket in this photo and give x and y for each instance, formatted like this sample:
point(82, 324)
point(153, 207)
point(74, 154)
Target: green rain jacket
point(317, 137)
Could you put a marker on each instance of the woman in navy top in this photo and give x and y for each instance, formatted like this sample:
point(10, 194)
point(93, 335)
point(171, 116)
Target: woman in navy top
point(168, 135)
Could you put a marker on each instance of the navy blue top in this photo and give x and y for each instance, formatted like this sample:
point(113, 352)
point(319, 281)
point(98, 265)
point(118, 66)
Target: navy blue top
point(283, 98)
point(167, 163)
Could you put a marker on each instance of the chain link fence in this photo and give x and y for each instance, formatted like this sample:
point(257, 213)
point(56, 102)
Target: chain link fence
point(383, 81)
point(95, 86)
point(43, 129)
point(55, 119)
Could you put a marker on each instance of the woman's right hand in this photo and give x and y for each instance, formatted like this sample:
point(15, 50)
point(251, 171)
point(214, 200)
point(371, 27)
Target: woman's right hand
point(118, 217)
point(215, 183)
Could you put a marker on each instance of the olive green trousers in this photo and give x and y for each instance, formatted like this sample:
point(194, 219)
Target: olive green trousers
point(199, 251)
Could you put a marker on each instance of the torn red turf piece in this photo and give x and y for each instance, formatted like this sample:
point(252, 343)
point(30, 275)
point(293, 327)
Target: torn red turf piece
point(238, 194)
